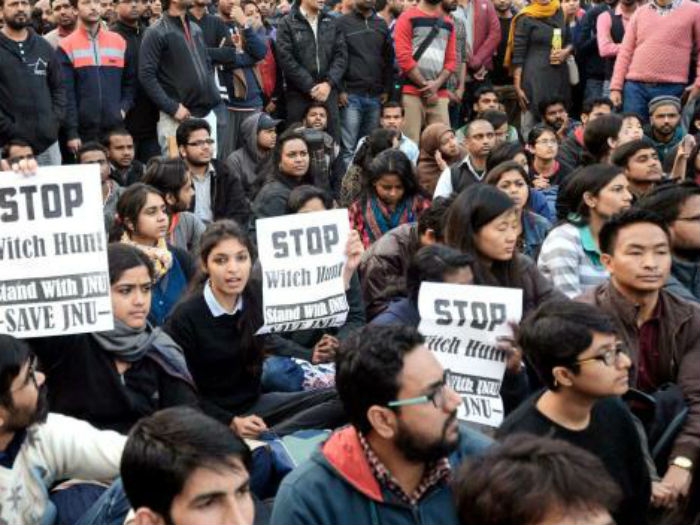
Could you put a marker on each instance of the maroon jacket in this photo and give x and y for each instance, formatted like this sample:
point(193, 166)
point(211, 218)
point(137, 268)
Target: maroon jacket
point(487, 35)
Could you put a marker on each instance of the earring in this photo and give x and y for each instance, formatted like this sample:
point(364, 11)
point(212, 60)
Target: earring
point(556, 383)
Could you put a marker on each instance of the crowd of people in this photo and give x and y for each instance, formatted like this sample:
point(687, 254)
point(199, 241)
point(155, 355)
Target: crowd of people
point(549, 146)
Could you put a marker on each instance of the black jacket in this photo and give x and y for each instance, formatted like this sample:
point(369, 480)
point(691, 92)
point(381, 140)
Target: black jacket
point(174, 71)
point(142, 118)
point(305, 63)
point(32, 96)
point(370, 54)
point(228, 199)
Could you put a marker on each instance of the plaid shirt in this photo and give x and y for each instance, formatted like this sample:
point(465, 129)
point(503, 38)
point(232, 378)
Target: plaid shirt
point(434, 474)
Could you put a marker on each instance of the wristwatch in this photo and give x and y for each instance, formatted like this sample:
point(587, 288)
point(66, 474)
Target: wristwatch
point(682, 462)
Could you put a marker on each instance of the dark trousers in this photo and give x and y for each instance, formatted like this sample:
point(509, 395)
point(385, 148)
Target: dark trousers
point(298, 103)
point(287, 412)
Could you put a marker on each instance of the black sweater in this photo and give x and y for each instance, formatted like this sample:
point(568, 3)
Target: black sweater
point(213, 353)
point(611, 435)
point(83, 382)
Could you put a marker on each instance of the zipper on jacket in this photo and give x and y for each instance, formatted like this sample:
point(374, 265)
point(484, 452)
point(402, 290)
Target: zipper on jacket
point(95, 52)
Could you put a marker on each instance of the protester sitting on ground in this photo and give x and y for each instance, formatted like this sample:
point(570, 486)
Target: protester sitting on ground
point(252, 162)
point(516, 152)
point(33, 441)
point(95, 153)
point(143, 222)
point(661, 332)
point(390, 197)
point(679, 207)
point(511, 178)
point(171, 178)
point(577, 355)
point(182, 467)
point(545, 170)
point(384, 266)
point(215, 326)
point(303, 359)
point(570, 257)
point(113, 378)
point(358, 172)
point(641, 164)
point(16, 150)
point(391, 465)
point(438, 147)
point(535, 481)
point(502, 131)
point(571, 150)
point(632, 128)
point(601, 138)
point(483, 221)
point(290, 169)
point(124, 168)
point(393, 117)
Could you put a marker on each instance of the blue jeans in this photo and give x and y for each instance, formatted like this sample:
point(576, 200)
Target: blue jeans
point(637, 95)
point(281, 374)
point(594, 89)
point(358, 119)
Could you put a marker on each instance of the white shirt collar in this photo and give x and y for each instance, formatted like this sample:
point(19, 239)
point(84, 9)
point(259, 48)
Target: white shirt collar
point(215, 307)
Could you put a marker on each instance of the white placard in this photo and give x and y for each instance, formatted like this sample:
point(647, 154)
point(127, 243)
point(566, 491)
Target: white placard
point(461, 324)
point(302, 258)
point(54, 278)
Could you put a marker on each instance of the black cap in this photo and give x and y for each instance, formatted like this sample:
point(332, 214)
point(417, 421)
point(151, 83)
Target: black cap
point(267, 122)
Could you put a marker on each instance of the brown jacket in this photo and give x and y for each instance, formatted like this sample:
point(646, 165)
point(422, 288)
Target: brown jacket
point(679, 353)
point(384, 266)
point(427, 169)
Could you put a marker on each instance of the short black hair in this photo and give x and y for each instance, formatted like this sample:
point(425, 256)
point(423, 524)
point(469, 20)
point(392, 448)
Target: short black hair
point(122, 257)
point(434, 217)
point(591, 103)
point(502, 153)
point(495, 117)
point(523, 478)
point(14, 353)
point(114, 132)
point(483, 90)
point(597, 134)
point(316, 105)
point(165, 448)
point(15, 143)
point(607, 238)
point(303, 194)
point(91, 145)
point(622, 154)
point(545, 104)
point(368, 365)
point(557, 332)
point(392, 104)
point(666, 200)
point(189, 126)
point(431, 264)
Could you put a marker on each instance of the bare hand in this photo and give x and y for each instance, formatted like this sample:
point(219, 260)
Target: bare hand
point(238, 15)
point(182, 113)
point(343, 100)
point(430, 89)
point(74, 145)
point(354, 249)
point(248, 426)
point(540, 183)
point(321, 91)
point(271, 107)
point(686, 146)
point(384, 98)
point(661, 495)
point(25, 167)
point(325, 349)
point(616, 98)
point(522, 99)
point(481, 74)
point(677, 481)
point(440, 161)
point(557, 57)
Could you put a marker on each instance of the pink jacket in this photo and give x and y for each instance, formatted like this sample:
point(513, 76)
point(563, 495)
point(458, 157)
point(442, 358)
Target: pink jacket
point(487, 35)
point(658, 48)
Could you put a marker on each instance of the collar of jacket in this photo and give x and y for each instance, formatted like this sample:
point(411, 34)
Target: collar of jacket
point(675, 311)
point(296, 13)
point(126, 28)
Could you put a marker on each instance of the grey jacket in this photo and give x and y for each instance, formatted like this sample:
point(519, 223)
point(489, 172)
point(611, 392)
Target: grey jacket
point(246, 162)
point(188, 232)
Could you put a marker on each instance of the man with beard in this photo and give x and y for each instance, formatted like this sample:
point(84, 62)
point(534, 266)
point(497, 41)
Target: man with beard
point(65, 17)
point(641, 164)
point(123, 167)
point(389, 10)
point(324, 161)
point(479, 139)
point(32, 96)
point(218, 192)
point(394, 464)
point(176, 72)
point(37, 450)
point(368, 79)
point(555, 115)
point(664, 128)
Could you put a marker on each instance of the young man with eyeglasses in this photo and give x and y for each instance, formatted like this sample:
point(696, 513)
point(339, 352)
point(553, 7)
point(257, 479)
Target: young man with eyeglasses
point(37, 448)
point(219, 193)
point(576, 353)
point(660, 331)
point(394, 464)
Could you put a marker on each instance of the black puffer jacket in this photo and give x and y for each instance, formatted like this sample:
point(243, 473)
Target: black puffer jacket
point(304, 63)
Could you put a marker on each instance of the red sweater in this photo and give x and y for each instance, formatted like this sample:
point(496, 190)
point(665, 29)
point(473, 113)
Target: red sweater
point(412, 27)
point(658, 48)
